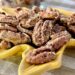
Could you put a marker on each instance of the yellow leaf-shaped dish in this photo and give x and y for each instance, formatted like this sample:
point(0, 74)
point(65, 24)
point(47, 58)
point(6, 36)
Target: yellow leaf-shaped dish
point(14, 50)
point(27, 69)
point(71, 43)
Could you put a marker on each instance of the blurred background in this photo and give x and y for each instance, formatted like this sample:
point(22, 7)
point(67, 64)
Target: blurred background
point(68, 66)
point(67, 4)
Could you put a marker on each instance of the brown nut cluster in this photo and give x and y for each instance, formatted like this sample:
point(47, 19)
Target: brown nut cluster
point(40, 55)
point(47, 30)
point(46, 53)
point(41, 32)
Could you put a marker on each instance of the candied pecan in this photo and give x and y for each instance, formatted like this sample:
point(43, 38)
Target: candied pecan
point(46, 53)
point(58, 42)
point(27, 19)
point(4, 44)
point(21, 29)
point(59, 34)
point(41, 32)
point(40, 55)
point(4, 26)
point(8, 19)
point(14, 37)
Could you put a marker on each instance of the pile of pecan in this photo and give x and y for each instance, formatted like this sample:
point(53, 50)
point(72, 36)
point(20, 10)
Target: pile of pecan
point(47, 30)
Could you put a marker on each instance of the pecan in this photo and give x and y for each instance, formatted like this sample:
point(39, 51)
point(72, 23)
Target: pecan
point(57, 43)
point(11, 20)
point(46, 53)
point(41, 32)
point(14, 37)
point(40, 55)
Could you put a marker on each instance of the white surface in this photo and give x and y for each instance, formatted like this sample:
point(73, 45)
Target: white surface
point(8, 68)
point(68, 67)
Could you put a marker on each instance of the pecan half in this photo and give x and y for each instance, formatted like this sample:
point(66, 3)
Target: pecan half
point(14, 37)
point(57, 43)
point(40, 55)
point(41, 32)
point(8, 19)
